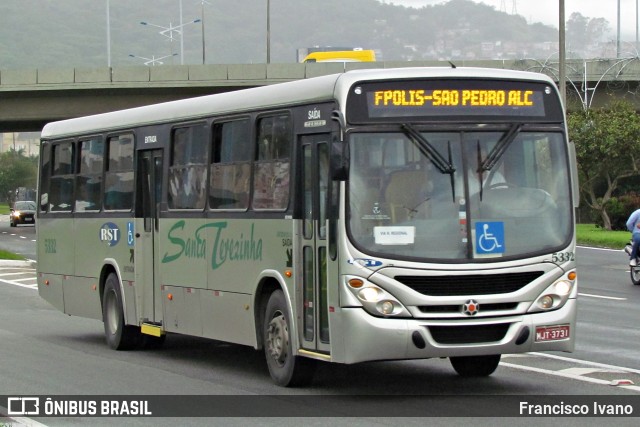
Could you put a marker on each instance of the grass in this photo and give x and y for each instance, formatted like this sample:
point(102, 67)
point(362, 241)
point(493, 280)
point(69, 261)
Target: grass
point(11, 256)
point(4, 209)
point(590, 235)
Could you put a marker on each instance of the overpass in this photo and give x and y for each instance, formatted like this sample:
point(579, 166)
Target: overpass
point(30, 98)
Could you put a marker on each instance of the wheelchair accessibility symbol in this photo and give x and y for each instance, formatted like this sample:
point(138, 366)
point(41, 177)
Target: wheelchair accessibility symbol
point(489, 237)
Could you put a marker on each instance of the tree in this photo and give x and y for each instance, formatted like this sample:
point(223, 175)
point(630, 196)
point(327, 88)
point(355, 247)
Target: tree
point(608, 149)
point(582, 30)
point(16, 170)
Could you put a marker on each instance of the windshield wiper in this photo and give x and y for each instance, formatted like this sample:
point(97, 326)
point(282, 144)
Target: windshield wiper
point(500, 147)
point(428, 150)
point(431, 153)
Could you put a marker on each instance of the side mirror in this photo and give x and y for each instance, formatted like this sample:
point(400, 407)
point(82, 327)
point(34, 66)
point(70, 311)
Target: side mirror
point(339, 161)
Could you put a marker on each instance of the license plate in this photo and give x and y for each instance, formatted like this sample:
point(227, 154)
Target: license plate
point(28, 219)
point(552, 333)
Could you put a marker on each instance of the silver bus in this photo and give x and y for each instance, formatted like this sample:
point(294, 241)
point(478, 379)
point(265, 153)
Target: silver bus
point(380, 214)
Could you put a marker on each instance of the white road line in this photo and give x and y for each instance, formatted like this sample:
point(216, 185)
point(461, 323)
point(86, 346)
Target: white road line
point(568, 375)
point(14, 283)
point(600, 249)
point(585, 362)
point(601, 296)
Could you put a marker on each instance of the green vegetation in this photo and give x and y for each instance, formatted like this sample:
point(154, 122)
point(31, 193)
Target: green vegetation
point(16, 170)
point(590, 235)
point(606, 141)
point(10, 256)
point(4, 209)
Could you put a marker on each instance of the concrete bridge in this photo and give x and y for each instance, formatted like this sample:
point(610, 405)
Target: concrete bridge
point(32, 97)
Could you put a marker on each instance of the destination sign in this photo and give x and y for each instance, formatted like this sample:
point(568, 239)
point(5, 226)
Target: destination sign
point(450, 98)
point(453, 99)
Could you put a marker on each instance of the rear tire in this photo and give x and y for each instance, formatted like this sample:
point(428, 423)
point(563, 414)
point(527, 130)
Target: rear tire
point(475, 366)
point(286, 369)
point(635, 275)
point(119, 336)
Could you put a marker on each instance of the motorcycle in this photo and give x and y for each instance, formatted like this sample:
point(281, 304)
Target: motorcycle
point(635, 271)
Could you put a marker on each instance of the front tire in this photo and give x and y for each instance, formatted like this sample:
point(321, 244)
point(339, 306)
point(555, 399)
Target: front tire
point(119, 336)
point(285, 369)
point(475, 366)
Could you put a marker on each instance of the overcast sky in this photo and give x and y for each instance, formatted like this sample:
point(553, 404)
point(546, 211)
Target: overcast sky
point(546, 11)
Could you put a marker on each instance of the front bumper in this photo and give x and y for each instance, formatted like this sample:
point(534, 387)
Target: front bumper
point(368, 338)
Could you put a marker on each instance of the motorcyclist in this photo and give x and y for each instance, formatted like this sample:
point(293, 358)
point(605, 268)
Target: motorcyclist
point(633, 225)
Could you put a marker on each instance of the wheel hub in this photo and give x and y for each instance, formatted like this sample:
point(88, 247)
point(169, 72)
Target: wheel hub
point(278, 339)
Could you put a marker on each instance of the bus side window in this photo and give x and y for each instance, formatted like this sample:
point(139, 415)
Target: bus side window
point(118, 193)
point(271, 169)
point(230, 165)
point(188, 168)
point(89, 178)
point(61, 189)
point(45, 176)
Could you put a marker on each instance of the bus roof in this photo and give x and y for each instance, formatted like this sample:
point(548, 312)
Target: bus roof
point(316, 89)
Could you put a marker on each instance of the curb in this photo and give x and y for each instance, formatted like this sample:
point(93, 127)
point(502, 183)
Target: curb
point(17, 263)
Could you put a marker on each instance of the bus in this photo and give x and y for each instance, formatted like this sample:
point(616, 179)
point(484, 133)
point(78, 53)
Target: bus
point(356, 55)
point(383, 214)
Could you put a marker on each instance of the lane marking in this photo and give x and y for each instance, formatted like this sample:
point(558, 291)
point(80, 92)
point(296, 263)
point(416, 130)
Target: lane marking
point(600, 249)
point(585, 362)
point(14, 273)
point(568, 375)
point(14, 283)
point(601, 297)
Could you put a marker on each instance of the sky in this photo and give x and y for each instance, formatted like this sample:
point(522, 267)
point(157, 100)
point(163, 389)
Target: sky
point(546, 11)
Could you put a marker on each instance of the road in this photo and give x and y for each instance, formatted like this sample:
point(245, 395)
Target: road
point(47, 353)
point(19, 240)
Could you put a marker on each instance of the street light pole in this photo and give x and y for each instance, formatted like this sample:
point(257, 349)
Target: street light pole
point(168, 31)
point(202, 27)
point(153, 60)
point(108, 36)
point(181, 39)
point(562, 55)
point(202, 2)
point(268, 31)
point(618, 35)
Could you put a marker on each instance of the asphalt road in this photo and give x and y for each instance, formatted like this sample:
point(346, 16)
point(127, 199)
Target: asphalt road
point(44, 352)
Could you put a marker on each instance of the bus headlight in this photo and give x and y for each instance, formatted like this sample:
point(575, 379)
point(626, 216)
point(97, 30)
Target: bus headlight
point(375, 300)
point(556, 295)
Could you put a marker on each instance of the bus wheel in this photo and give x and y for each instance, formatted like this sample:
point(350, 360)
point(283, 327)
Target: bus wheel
point(475, 366)
point(285, 369)
point(119, 336)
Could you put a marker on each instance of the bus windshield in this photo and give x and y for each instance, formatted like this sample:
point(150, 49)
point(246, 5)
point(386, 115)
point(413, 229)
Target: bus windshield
point(459, 196)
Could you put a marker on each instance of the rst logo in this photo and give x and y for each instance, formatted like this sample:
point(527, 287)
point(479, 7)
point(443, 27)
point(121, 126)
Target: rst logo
point(110, 233)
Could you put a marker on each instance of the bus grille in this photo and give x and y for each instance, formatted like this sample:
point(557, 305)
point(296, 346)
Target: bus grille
point(473, 334)
point(435, 309)
point(477, 284)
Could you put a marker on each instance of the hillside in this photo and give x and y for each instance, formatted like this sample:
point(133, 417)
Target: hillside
point(73, 33)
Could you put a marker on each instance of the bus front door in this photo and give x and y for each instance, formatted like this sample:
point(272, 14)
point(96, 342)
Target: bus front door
point(313, 301)
point(149, 190)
